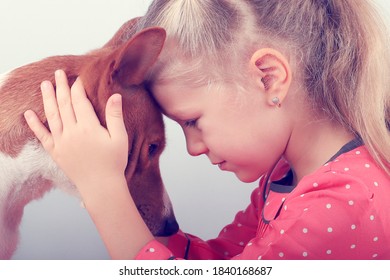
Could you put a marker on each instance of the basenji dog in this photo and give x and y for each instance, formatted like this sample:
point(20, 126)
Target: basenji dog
point(27, 172)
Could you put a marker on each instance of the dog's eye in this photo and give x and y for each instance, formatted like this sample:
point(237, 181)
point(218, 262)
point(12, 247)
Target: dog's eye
point(153, 149)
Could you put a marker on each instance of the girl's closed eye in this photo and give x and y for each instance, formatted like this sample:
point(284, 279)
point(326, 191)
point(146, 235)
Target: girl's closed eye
point(190, 123)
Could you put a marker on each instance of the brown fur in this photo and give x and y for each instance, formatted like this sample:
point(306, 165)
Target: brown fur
point(118, 67)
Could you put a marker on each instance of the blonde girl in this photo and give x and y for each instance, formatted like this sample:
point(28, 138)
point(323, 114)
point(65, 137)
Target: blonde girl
point(294, 93)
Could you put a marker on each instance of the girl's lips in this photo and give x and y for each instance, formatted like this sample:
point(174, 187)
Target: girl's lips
point(221, 165)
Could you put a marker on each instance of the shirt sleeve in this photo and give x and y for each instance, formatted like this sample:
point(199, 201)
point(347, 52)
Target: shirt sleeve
point(230, 242)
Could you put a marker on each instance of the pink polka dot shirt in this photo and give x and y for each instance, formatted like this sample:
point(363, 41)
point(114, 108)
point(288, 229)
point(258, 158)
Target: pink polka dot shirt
point(338, 212)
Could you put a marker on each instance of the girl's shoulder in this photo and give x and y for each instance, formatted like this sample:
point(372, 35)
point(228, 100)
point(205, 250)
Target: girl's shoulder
point(359, 164)
point(354, 170)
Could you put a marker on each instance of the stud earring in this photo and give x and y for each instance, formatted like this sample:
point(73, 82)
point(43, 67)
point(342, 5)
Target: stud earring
point(276, 101)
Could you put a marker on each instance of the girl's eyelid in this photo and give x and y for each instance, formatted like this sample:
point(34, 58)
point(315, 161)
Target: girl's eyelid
point(190, 123)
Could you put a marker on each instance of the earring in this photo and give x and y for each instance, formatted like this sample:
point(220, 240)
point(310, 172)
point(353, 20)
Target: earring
point(276, 101)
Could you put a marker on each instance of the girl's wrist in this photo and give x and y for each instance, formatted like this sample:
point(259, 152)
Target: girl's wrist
point(98, 189)
point(116, 217)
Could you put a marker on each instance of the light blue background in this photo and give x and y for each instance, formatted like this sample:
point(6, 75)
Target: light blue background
point(56, 227)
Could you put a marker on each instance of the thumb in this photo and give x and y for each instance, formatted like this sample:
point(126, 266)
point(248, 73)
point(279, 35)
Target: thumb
point(114, 118)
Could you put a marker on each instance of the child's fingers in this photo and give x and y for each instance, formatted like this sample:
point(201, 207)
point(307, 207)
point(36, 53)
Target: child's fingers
point(63, 99)
point(39, 130)
point(51, 108)
point(114, 118)
point(82, 107)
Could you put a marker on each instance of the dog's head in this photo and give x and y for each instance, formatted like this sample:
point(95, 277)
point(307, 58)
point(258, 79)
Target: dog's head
point(122, 69)
point(119, 66)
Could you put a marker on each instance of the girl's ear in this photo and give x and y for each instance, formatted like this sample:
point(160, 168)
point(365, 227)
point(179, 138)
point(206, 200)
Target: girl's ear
point(273, 73)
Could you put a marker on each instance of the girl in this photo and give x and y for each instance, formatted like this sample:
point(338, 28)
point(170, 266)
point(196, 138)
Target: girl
point(295, 93)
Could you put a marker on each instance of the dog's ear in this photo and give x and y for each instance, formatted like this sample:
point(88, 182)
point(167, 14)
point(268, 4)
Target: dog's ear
point(135, 57)
point(125, 32)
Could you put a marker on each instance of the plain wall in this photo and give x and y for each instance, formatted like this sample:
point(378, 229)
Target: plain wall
point(56, 227)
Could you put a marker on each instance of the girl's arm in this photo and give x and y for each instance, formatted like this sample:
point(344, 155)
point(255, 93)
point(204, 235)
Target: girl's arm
point(94, 159)
point(117, 219)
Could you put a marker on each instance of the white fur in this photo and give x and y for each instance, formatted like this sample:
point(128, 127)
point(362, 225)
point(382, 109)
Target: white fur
point(22, 179)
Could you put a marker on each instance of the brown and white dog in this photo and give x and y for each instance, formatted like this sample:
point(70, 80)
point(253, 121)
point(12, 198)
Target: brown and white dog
point(27, 172)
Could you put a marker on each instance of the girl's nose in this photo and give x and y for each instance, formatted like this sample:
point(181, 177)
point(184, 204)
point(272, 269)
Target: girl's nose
point(195, 146)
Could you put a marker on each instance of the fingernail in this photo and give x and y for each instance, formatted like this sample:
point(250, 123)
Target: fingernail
point(28, 115)
point(45, 85)
point(58, 73)
point(116, 99)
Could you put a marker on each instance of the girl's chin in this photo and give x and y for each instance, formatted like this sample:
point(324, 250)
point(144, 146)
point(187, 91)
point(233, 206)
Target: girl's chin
point(246, 178)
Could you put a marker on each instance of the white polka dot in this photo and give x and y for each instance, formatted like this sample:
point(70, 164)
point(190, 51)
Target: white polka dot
point(259, 257)
point(283, 199)
point(306, 209)
point(302, 195)
point(367, 165)
point(305, 230)
point(376, 184)
point(330, 229)
point(241, 243)
point(346, 169)
point(225, 230)
point(353, 246)
point(304, 254)
point(353, 227)
point(347, 187)
point(358, 152)
point(375, 239)
point(375, 255)
point(285, 207)
point(282, 231)
point(281, 254)
point(250, 244)
point(329, 252)
point(226, 253)
point(239, 225)
point(350, 202)
point(151, 250)
point(315, 185)
point(372, 217)
point(328, 205)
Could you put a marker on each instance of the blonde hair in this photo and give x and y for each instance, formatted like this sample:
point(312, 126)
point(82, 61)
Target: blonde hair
point(342, 45)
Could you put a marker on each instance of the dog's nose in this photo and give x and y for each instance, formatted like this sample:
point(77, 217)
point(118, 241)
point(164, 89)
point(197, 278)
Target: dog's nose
point(170, 227)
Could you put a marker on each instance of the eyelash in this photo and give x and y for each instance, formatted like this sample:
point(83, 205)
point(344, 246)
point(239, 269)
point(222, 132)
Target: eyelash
point(190, 123)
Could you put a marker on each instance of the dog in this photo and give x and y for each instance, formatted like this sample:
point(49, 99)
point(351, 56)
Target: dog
point(27, 172)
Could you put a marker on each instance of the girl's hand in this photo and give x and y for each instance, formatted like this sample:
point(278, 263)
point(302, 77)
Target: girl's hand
point(94, 158)
point(82, 148)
